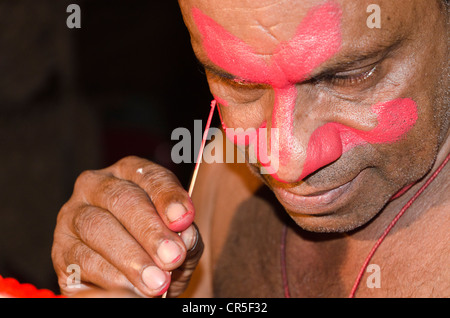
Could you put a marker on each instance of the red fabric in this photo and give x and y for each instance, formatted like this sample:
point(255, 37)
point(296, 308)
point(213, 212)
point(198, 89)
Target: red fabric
point(10, 287)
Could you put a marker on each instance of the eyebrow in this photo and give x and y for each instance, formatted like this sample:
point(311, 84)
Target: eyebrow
point(344, 62)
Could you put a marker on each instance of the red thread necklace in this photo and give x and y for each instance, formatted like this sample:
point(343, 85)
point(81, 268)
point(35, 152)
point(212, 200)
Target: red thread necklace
point(374, 248)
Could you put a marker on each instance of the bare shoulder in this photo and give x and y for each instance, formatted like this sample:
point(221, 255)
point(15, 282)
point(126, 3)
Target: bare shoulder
point(437, 238)
point(416, 255)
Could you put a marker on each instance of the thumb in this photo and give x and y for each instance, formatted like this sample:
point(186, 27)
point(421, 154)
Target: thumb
point(182, 275)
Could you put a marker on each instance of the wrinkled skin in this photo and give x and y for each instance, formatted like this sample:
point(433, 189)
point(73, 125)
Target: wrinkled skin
point(116, 222)
point(128, 205)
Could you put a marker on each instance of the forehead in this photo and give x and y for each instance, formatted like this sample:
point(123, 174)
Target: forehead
point(263, 24)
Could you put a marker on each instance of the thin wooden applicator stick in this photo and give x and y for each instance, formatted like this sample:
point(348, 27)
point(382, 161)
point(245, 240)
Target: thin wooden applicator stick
point(202, 148)
point(200, 155)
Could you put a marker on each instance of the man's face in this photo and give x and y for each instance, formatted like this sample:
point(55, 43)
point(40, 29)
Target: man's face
point(359, 112)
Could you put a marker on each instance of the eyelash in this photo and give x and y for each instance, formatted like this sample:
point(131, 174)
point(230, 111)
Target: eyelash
point(335, 79)
point(353, 79)
point(242, 84)
point(347, 79)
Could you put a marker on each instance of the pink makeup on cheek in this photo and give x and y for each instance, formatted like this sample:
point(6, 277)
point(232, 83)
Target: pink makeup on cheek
point(330, 141)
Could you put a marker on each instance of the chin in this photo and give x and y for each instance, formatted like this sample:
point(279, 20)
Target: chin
point(355, 212)
point(332, 223)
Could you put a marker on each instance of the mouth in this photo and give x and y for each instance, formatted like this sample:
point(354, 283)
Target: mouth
point(316, 202)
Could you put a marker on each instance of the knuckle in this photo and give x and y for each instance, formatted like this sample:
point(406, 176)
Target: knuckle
point(152, 231)
point(162, 182)
point(85, 177)
point(155, 179)
point(65, 210)
point(151, 170)
point(79, 254)
point(133, 261)
point(90, 223)
point(120, 195)
point(128, 160)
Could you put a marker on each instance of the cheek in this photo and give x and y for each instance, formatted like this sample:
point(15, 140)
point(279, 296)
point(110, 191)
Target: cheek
point(327, 143)
point(241, 123)
point(411, 157)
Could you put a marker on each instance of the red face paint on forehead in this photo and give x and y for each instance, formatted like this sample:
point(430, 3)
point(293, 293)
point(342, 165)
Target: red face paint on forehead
point(317, 38)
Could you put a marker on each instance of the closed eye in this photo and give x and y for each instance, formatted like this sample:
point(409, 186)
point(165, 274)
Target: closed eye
point(353, 77)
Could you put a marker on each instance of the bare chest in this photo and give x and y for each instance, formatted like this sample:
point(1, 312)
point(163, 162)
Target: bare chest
point(258, 260)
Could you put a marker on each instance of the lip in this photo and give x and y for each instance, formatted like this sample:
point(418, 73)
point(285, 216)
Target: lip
point(315, 203)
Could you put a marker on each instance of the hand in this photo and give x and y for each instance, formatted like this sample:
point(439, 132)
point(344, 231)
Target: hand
point(128, 227)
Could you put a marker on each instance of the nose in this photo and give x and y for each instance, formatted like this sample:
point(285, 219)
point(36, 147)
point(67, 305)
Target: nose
point(301, 150)
point(324, 147)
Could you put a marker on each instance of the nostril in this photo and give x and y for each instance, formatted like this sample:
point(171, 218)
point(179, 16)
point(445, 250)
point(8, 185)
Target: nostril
point(324, 147)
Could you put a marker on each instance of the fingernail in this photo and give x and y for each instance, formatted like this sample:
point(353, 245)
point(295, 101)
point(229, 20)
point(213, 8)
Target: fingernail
point(169, 252)
point(189, 236)
point(175, 211)
point(153, 277)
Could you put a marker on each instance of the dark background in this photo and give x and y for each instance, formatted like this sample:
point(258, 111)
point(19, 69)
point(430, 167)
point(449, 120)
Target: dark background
point(78, 99)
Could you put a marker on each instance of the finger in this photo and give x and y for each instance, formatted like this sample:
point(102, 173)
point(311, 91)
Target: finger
point(94, 271)
point(99, 230)
point(190, 237)
point(131, 206)
point(165, 191)
point(182, 275)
